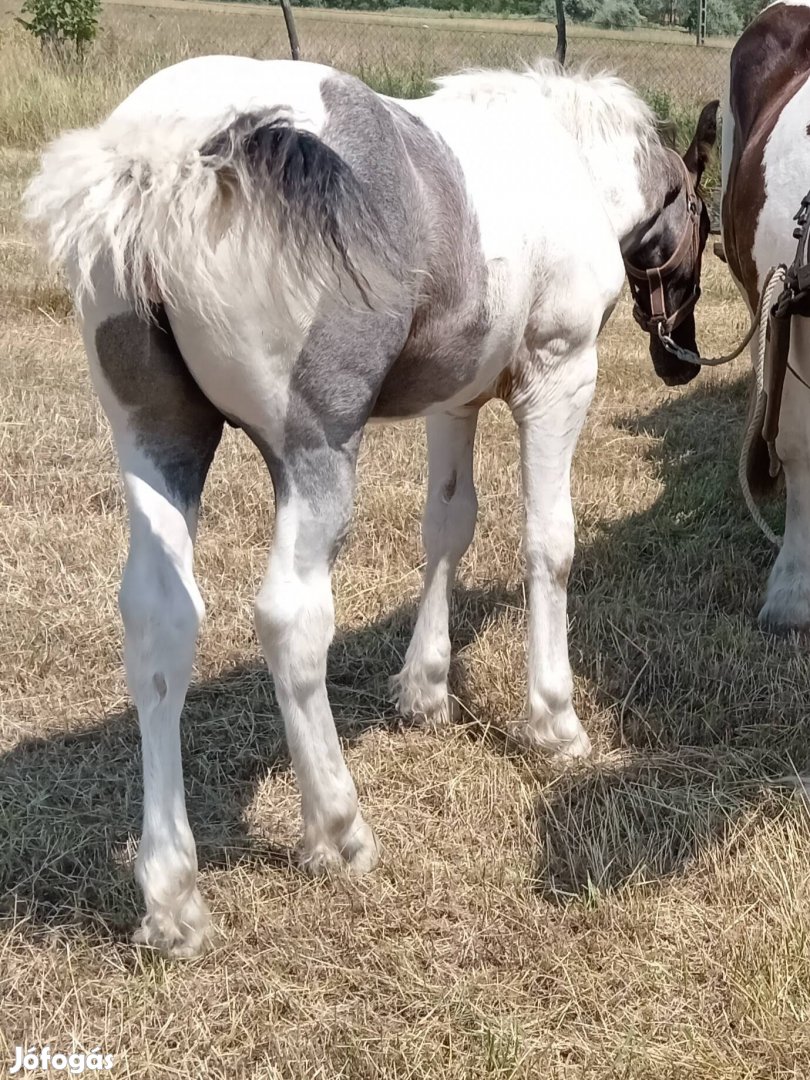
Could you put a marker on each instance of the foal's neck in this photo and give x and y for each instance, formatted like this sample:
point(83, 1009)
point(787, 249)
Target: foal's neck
point(634, 182)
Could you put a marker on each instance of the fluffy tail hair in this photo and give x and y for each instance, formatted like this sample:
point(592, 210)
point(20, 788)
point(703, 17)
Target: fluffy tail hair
point(202, 217)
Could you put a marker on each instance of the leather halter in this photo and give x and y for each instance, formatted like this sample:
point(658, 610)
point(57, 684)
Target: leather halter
point(659, 321)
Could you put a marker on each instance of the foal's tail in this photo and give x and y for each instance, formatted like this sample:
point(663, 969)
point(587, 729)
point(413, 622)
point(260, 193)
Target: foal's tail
point(206, 219)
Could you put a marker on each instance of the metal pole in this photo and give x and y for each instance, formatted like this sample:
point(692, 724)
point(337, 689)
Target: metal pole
point(292, 33)
point(700, 35)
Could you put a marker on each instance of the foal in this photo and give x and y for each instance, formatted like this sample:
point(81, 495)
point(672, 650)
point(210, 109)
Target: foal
point(274, 244)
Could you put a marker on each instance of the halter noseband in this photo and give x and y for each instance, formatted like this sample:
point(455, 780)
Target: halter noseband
point(659, 321)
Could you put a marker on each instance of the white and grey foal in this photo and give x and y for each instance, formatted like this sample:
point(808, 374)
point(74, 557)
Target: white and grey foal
point(276, 245)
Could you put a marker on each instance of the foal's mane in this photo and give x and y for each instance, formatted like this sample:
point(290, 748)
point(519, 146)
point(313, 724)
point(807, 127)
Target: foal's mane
point(593, 106)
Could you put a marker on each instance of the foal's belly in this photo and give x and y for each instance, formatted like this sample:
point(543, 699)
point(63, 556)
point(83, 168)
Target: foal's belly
point(442, 376)
point(449, 360)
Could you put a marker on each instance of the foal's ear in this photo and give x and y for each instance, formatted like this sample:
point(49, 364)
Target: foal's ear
point(697, 156)
point(667, 133)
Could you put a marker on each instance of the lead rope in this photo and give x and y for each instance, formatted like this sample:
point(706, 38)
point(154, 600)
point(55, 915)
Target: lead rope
point(775, 274)
point(774, 281)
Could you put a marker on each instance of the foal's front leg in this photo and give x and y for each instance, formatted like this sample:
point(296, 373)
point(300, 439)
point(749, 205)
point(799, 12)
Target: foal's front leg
point(447, 531)
point(549, 407)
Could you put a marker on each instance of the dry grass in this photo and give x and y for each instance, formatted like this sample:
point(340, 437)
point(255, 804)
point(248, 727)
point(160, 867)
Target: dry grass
point(644, 915)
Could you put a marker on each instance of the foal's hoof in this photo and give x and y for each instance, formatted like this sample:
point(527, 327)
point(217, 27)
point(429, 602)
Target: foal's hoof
point(525, 735)
point(182, 935)
point(434, 719)
point(428, 707)
point(358, 855)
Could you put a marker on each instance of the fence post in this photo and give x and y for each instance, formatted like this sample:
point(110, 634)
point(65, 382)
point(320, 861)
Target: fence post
point(562, 38)
point(292, 33)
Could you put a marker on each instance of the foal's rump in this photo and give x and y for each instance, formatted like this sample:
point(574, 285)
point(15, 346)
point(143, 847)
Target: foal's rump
point(214, 185)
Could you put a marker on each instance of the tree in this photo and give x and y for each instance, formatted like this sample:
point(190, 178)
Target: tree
point(722, 18)
point(617, 14)
point(63, 25)
point(581, 10)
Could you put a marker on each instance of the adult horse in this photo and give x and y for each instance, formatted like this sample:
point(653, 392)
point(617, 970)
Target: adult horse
point(274, 244)
point(766, 173)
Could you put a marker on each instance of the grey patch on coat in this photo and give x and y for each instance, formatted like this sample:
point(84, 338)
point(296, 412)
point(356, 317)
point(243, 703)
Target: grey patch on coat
point(176, 426)
point(443, 350)
point(606, 315)
point(360, 364)
point(324, 476)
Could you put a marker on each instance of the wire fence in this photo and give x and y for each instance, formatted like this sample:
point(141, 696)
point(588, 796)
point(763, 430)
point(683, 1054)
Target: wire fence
point(400, 55)
point(682, 72)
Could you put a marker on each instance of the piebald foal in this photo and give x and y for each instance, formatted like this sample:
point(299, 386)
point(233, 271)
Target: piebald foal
point(276, 245)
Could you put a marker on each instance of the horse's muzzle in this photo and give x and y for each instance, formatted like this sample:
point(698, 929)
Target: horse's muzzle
point(671, 369)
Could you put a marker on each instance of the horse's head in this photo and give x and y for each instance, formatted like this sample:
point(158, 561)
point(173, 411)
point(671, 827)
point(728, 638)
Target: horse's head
point(663, 263)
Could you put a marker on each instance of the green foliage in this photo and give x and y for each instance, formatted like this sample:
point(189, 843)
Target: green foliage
point(667, 108)
point(748, 10)
point(545, 11)
point(725, 17)
point(617, 14)
point(63, 26)
point(682, 119)
point(581, 10)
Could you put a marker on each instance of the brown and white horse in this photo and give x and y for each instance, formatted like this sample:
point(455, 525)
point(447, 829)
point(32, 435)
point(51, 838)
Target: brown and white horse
point(766, 173)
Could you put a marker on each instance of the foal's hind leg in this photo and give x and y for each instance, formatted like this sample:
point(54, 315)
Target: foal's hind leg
point(447, 531)
point(295, 623)
point(166, 433)
point(311, 451)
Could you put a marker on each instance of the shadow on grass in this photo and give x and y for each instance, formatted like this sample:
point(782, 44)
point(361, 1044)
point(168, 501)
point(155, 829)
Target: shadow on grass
point(70, 806)
point(701, 710)
point(706, 710)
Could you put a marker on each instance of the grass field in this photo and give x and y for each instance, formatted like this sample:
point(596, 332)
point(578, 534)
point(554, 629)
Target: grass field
point(643, 916)
point(457, 22)
point(397, 54)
